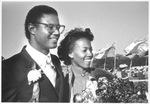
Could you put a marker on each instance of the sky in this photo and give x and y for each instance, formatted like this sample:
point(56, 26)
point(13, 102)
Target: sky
point(120, 22)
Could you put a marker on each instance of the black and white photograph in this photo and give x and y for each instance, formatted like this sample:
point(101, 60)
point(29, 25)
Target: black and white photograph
point(75, 51)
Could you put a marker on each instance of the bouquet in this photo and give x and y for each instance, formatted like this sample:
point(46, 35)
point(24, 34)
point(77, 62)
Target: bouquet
point(88, 95)
point(116, 90)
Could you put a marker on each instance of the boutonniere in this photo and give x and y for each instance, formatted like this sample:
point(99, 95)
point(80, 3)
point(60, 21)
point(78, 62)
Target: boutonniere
point(34, 74)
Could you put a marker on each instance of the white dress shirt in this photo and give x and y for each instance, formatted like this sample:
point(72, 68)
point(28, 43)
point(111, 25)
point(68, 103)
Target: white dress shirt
point(41, 59)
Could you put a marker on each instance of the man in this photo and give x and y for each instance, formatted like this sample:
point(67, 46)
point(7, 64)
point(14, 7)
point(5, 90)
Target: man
point(25, 76)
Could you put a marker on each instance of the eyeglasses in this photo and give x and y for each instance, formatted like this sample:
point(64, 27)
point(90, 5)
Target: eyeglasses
point(53, 27)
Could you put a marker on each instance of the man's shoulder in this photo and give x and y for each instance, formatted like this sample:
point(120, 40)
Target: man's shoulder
point(18, 57)
point(12, 58)
point(11, 62)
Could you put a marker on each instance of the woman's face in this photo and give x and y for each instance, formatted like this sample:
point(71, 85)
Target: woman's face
point(81, 55)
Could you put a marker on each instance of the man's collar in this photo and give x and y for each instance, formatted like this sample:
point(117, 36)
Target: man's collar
point(38, 57)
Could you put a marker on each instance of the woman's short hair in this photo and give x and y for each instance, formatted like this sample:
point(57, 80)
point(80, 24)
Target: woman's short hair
point(67, 44)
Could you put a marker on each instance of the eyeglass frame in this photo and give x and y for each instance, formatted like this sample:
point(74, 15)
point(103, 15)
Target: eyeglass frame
point(53, 25)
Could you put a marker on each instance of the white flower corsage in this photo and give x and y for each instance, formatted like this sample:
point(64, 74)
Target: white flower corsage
point(34, 75)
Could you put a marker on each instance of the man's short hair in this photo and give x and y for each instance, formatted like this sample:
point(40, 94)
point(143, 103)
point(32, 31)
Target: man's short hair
point(35, 14)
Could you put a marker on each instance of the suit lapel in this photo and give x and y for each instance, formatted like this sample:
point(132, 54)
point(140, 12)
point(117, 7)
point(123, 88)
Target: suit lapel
point(28, 61)
point(45, 84)
point(60, 79)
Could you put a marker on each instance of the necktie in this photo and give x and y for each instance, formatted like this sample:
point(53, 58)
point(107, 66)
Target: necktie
point(49, 71)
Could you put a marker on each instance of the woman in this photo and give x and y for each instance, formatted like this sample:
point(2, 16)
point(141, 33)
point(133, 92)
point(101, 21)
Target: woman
point(75, 51)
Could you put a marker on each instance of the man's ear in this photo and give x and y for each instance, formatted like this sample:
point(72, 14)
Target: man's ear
point(31, 28)
point(71, 55)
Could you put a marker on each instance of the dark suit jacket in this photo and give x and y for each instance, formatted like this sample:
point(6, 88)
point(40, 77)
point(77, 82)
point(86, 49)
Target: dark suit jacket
point(15, 86)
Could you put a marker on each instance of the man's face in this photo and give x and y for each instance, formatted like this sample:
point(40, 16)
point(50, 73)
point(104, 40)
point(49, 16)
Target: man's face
point(44, 37)
point(82, 53)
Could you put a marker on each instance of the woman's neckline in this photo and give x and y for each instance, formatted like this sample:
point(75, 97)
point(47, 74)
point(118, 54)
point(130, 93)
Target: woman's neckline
point(79, 71)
